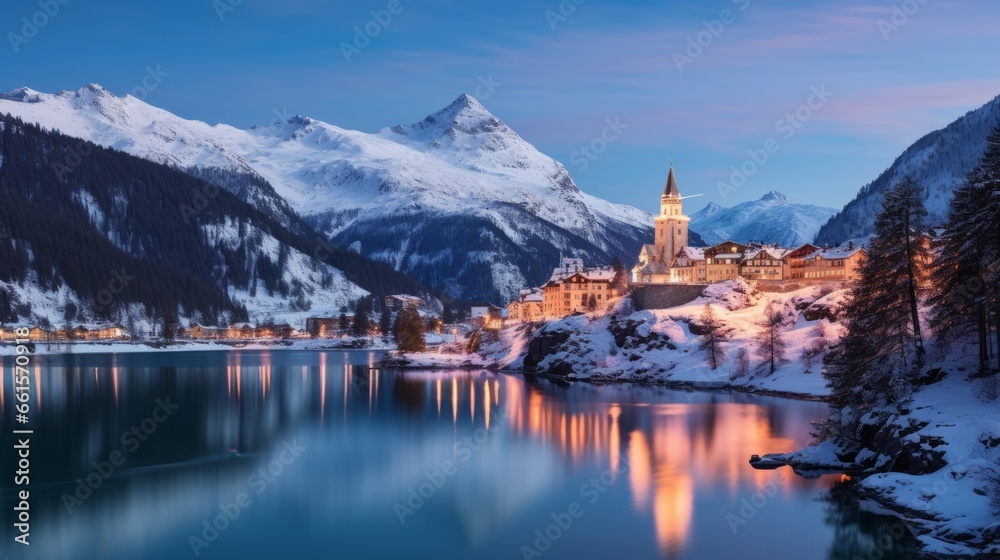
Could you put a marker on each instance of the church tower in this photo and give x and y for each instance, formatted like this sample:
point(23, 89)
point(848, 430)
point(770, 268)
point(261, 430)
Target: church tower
point(671, 225)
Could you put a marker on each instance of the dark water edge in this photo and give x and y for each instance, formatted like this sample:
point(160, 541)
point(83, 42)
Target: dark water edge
point(678, 484)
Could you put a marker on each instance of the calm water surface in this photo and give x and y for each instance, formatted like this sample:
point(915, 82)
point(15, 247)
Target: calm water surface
point(336, 461)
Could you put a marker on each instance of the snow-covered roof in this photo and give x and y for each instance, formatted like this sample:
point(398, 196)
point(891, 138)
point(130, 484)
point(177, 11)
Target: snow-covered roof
point(591, 274)
point(835, 253)
point(775, 252)
point(693, 253)
point(729, 256)
point(534, 297)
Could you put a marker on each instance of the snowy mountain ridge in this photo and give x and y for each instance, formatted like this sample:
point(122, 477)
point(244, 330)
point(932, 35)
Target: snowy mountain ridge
point(459, 165)
point(774, 218)
point(939, 162)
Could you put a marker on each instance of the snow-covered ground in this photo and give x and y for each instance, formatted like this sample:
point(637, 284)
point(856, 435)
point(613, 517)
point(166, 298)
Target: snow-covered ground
point(661, 347)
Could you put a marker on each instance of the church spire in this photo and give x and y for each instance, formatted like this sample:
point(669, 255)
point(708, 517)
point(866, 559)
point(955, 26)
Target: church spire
point(671, 189)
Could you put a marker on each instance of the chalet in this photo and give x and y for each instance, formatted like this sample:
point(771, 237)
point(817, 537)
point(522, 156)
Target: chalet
point(201, 332)
point(240, 330)
point(529, 306)
point(283, 330)
point(763, 263)
point(794, 266)
point(402, 301)
point(573, 287)
point(324, 327)
point(688, 266)
point(840, 263)
point(722, 261)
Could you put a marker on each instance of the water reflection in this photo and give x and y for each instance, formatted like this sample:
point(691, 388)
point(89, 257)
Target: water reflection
point(677, 462)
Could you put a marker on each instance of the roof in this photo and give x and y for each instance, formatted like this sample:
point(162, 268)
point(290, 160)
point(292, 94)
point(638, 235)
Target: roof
point(775, 252)
point(671, 188)
point(730, 256)
point(835, 253)
point(693, 253)
point(592, 274)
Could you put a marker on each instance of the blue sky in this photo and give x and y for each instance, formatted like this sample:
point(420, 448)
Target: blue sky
point(716, 83)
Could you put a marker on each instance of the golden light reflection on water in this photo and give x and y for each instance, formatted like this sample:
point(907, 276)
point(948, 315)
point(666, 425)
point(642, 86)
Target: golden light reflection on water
point(670, 452)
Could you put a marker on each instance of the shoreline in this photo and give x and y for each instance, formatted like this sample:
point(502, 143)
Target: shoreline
point(129, 347)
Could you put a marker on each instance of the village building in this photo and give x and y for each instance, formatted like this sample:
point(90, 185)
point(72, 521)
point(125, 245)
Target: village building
point(241, 330)
point(793, 267)
point(764, 263)
point(571, 287)
point(402, 301)
point(528, 307)
point(201, 332)
point(723, 261)
point(325, 327)
point(840, 263)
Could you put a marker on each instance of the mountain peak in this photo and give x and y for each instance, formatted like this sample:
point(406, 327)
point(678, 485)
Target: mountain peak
point(23, 94)
point(775, 195)
point(463, 110)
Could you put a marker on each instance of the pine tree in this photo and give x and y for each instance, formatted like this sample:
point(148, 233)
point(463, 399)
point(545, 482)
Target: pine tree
point(385, 322)
point(769, 345)
point(362, 323)
point(715, 334)
point(878, 358)
point(619, 284)
point(409, 330)
point(592, 303)
point(343, 324)
point(741, 365)
point(967, 269)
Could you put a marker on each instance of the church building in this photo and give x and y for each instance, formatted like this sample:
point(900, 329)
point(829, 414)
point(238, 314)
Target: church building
point(671, 227)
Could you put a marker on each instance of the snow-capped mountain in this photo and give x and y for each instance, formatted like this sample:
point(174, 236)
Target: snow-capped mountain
point(774, 218)
point(89, 233)
point(939, 162)
point(458, 200)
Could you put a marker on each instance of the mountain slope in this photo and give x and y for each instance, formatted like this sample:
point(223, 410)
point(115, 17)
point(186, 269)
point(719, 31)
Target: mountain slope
point(450, 199)
point(939, 162)
point(774, 218)
point(118, 237)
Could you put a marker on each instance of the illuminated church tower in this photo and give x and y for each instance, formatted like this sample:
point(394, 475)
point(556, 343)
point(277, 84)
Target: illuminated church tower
point(671, 225)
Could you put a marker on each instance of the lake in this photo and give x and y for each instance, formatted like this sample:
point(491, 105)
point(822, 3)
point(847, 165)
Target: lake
point(131, 458)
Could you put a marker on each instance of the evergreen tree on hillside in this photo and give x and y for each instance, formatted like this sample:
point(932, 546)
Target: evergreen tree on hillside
point(715, 333)
point(385, 322)
point(878, 358)
point(967, 268)
point(409, 330)
point(770, 347)
point(362, 322)
point(343, 323)
point(620, 281)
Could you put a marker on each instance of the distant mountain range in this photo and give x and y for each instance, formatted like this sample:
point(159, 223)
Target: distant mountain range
point(457, 200)
point(774, 218)
point(939, 162)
